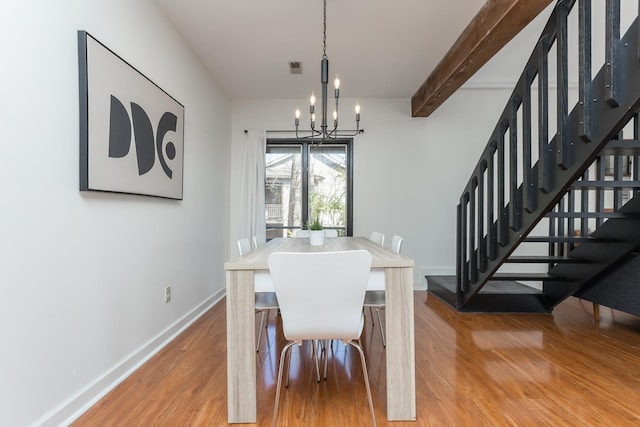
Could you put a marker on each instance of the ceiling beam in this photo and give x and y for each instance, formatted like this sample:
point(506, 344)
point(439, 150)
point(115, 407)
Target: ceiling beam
point(490, 30)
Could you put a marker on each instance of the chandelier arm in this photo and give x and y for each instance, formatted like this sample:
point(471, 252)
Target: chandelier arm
point(342, 134)
point(312, 133)
point(334, 130)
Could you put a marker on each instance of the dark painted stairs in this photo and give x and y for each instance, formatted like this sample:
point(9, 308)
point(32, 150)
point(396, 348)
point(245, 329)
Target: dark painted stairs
point(509, 194)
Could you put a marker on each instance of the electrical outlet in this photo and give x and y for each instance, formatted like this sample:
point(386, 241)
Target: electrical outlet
point(167, 294)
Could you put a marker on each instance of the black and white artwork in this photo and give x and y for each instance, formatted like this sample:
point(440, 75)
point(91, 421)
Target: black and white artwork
point(131, 131)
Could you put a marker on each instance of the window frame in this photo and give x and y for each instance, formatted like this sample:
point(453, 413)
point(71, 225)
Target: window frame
point(306, 145)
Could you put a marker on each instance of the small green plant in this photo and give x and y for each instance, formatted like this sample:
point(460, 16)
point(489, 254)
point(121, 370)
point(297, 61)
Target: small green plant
point(315, 225)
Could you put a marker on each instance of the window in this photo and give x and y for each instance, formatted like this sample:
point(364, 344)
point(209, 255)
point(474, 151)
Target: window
point(304, 182)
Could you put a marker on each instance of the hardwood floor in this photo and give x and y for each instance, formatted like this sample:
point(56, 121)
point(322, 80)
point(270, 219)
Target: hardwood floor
point(472, 370)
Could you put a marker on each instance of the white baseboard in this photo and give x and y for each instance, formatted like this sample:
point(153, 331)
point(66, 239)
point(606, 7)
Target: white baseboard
point(420, 286)
point(69, 410)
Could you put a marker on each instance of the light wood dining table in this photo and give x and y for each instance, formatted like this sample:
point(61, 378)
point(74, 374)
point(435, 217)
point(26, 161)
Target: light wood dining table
point(241, 363)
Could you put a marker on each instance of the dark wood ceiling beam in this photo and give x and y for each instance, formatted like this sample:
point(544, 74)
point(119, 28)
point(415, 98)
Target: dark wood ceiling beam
point(490, 30)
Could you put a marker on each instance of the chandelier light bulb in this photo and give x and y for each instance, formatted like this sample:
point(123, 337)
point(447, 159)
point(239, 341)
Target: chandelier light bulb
point(297, 113)
point(336, 82)
point(312, 100)
point(335, 115)
point(357, 108)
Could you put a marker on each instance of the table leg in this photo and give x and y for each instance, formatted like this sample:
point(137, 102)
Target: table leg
point(241, 362)
point(399, 320)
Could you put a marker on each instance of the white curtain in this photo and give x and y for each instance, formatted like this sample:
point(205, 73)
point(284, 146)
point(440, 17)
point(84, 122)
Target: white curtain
point(252, 220)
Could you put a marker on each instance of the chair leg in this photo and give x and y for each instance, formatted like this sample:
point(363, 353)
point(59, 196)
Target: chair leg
point(384, 342)
point(288, 359)
point(358, 346)
point(327, 345)
point(264, 312)
point(315, 353)
point(282, 359)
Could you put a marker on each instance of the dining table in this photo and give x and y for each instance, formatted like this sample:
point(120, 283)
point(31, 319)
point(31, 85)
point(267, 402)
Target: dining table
point(399, 323)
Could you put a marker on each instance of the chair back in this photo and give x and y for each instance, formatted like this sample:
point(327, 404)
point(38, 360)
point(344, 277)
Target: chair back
point(321, 294)
point(377, 281)
point(300, 233)
point(396, 244)
point(377, 238)
point(258, 240)
point(244, 246)
point(330, 232)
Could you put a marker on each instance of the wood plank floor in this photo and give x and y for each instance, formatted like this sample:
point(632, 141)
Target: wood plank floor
point(472, 370)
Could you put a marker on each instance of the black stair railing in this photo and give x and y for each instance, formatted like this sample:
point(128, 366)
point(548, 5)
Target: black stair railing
point(523, 171)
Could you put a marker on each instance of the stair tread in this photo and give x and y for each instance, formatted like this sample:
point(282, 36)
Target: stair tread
point(568, 239)
point(628, 147)
point(540, 259)
point(524, 276)
point(593, 185)
point(591, 215)
point(492, 287)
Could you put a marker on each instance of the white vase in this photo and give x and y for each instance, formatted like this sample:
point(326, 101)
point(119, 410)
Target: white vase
point(316, 237)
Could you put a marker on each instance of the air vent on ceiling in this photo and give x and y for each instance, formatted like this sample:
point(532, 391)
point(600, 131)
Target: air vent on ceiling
point(295, 67)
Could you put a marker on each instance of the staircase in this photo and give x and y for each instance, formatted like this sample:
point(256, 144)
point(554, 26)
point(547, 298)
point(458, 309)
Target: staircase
point(550, 208)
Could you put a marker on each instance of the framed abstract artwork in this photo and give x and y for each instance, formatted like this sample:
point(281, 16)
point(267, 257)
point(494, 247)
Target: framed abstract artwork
point(131, 131)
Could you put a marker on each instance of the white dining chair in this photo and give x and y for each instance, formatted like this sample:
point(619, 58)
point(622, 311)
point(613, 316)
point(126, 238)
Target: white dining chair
point(321, 296)
point(265, 295)
point(375, 296)
point(258, 240)
point(244, 246)
point(396, 244)
point(377, 238)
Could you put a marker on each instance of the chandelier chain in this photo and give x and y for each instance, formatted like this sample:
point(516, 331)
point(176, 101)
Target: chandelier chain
point(324, 31)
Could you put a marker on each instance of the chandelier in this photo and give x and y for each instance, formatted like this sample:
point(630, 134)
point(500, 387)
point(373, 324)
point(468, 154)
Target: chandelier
point(325, 132)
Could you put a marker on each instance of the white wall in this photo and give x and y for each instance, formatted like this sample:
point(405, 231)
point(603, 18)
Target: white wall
point(82, 274)
point(408, 172)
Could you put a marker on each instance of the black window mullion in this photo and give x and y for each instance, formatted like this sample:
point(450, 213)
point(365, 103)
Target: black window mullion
point(349, 162)
point(305, 183)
